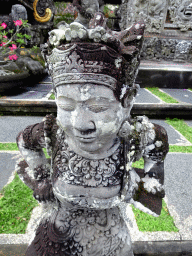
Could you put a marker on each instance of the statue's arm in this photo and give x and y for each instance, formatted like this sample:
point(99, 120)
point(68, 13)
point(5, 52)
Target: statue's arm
point(34, 170)
point(154, 156)
point(151, 186)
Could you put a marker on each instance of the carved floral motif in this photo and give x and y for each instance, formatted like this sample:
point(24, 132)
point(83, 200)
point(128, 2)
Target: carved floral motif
point(181, 13)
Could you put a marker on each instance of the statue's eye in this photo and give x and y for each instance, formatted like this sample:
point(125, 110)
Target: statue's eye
point(98, 108)
point(66, 103)
point(67, 107)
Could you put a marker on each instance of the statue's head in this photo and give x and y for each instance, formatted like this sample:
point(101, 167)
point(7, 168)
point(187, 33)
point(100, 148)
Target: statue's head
point(94, 89)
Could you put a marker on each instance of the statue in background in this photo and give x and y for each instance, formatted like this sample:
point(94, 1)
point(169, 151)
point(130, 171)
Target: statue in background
point(92, 143)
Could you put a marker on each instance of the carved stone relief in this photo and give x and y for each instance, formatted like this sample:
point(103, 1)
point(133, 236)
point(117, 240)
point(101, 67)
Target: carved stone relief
point(152, 12)
point(155, 48)
point(181, 13)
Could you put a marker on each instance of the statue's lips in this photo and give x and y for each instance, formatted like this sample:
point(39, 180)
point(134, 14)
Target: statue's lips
point(85, 138)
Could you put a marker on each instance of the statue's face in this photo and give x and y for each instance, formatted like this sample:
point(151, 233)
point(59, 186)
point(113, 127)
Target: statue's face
point(91, 117)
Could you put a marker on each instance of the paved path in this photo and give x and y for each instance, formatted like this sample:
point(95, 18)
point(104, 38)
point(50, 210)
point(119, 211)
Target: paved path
point(38, 91)
point(144, 96)
point(182, 95)
point(178, 190)
point(178, 180)
point(10, 126)
point(7, 166)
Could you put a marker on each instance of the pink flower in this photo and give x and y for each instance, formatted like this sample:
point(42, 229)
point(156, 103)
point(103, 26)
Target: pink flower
point(18, 22)
point(5, 37)
point(4, 25)
point(3, 44)
point(13, 57)
point(14, 47)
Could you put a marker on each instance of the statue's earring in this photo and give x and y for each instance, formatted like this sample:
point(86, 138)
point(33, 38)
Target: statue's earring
point(125, 130)
point(130, 95)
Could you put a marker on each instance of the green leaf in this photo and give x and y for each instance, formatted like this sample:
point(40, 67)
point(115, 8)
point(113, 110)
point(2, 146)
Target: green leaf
point(19, 35)
point(27, 36)
point(20, 41)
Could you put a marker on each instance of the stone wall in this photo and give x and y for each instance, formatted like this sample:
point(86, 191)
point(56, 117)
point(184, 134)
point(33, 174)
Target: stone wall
point(168, 30)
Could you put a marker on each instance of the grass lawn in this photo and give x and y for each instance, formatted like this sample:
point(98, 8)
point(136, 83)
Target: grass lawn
point(52, 96)
point(16, 204)
point(181, 126)
point(162, 95)
point(148, 223)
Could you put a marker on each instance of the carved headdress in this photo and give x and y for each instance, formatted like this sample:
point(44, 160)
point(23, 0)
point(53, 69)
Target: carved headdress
point(95, 55)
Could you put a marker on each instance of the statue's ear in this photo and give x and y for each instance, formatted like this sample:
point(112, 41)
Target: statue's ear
point(129, 96)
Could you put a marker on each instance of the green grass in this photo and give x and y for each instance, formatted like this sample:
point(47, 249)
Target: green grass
point(163, 96)
point(16, 204)
point(52, 96)
point(180, 149)
point(9, 146)
point(139, 164)
point(190, 89)
point(13, 147)
point(181, 126)
point(148, 223)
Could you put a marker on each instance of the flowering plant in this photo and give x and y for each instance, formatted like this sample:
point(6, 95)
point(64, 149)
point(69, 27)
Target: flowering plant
point(12, 39)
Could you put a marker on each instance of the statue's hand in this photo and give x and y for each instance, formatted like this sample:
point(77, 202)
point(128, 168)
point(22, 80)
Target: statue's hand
point(153, 185)
point(43, 191)
point(130, 185)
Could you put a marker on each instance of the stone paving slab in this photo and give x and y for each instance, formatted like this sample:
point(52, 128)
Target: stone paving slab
point(181, 95)
point(174, 137)
point(178, 190)
point(10, 126)
point(46, 79)
point(189, 122)
point(7, 165)
point(13, 250)
point(38, 91)
point(145, 96)
point(178, 180)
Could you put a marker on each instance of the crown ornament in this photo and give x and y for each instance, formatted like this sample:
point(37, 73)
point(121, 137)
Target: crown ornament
point(98, 55)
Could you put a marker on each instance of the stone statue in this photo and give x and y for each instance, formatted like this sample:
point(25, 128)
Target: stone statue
point(92, 142)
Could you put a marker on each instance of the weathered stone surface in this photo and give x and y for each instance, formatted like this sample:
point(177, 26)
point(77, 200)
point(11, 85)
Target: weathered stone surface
point(168, 25)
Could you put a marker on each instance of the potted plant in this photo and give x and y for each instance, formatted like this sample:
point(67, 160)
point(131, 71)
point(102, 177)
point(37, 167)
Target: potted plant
point(18, 63)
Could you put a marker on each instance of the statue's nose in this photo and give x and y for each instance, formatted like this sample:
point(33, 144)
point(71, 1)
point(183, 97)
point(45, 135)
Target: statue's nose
point(83, 122)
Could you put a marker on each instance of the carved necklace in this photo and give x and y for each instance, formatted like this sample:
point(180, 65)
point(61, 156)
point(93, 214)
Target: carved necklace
point(78, 170)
